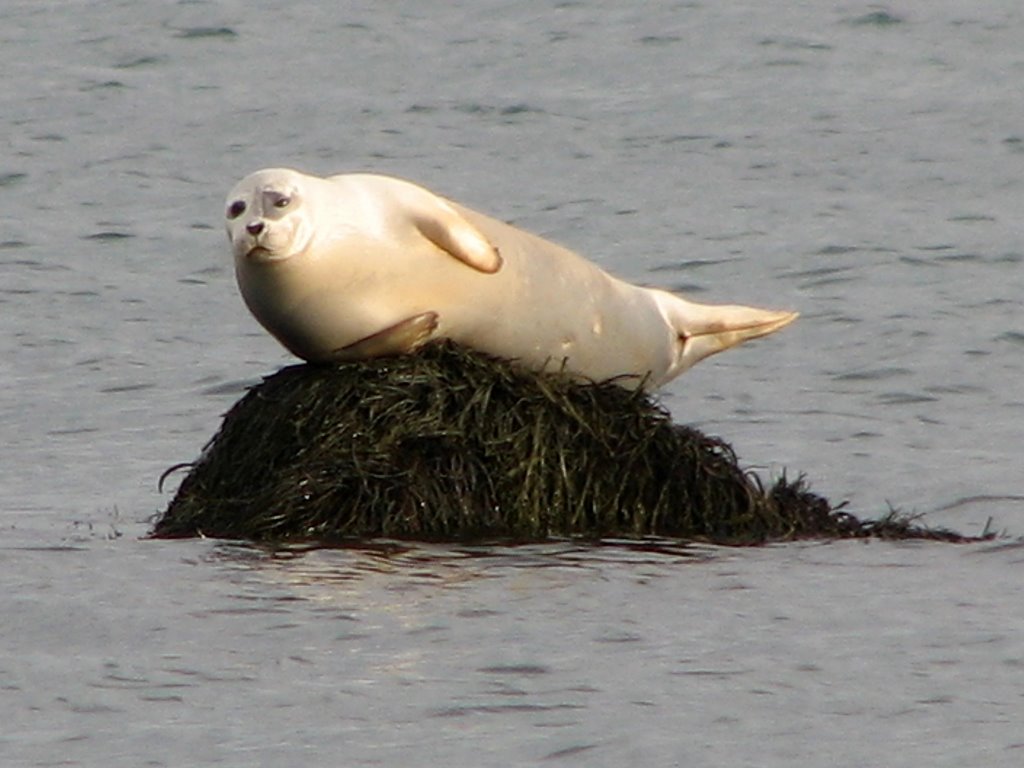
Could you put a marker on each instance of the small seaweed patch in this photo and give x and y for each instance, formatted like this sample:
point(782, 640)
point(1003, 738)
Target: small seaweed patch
point(450, 444)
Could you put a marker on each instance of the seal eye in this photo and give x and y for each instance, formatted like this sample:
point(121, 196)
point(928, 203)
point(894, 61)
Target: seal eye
point(282, 202)
point(236, 209)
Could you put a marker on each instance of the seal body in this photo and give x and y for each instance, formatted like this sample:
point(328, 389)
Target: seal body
point(359, 265)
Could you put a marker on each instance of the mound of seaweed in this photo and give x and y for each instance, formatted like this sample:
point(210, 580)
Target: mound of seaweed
point(450, 444)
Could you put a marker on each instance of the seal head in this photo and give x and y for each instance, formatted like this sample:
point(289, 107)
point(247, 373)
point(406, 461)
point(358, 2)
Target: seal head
point(266, 216)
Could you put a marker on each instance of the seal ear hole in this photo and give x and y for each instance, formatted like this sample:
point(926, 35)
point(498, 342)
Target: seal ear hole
point(236, 209)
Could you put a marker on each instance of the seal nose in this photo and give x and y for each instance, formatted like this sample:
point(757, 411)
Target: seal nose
point(254, 228)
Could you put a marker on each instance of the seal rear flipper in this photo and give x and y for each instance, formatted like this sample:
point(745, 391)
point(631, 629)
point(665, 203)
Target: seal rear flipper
point(402, 337)
point(707, 329)
point(448, 230)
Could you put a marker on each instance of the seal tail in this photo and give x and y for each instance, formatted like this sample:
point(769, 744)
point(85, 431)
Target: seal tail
point(706, 329)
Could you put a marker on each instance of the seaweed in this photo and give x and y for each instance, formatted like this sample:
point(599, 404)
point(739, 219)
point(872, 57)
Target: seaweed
point(452, 445)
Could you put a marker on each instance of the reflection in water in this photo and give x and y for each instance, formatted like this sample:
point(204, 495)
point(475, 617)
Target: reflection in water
point(407, 564)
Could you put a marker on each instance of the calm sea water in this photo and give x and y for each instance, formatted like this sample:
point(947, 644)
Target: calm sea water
point(858, 162)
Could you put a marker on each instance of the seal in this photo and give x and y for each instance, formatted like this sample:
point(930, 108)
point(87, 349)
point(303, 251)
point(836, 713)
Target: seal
point(362, 265)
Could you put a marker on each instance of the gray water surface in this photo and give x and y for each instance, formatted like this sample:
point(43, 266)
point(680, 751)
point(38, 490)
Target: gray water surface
point(863, 164)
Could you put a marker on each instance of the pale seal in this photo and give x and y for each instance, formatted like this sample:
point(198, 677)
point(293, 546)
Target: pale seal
point(360, 265)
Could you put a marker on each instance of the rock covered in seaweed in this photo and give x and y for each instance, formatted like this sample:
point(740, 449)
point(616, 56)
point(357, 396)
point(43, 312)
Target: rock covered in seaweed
point(449, 444)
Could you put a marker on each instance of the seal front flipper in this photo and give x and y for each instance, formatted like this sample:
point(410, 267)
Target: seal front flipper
point(402, 337)
point(448, 230)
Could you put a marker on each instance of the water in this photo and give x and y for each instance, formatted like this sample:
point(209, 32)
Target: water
point(860, 163)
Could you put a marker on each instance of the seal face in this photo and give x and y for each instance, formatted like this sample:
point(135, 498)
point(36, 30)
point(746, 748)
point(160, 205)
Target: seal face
point(359, 265)
point(266, 221)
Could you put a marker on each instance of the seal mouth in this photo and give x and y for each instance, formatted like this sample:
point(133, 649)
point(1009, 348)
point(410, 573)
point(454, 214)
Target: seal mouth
point(261, 253)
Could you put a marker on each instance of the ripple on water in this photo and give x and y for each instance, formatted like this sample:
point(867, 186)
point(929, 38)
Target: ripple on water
point(876, 374)
point(206, 33)
point(875, 19)
point(1012, 337)
point(10, 179)
point(903, 398)
point(108, 235)
point(139, 62)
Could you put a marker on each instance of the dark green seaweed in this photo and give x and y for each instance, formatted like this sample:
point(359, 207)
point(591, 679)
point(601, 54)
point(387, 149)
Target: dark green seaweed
point(452, 445)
